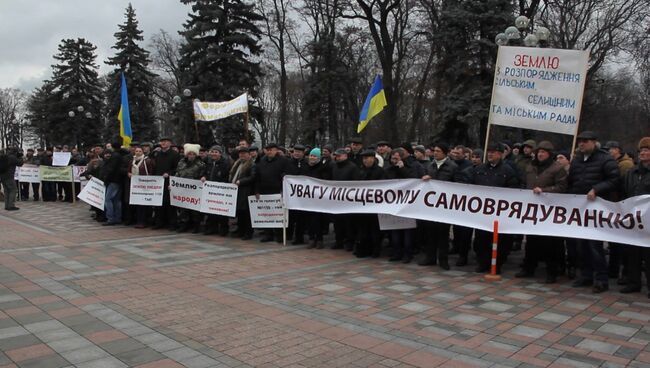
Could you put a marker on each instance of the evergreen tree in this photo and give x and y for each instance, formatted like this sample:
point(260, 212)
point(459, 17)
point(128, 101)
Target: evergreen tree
point(75, 98)
point(221, 39)
point(133, 60)
point(465, 71)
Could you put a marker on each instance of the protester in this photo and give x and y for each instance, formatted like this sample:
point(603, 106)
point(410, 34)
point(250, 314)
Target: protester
point(140, 164)
point(268, 174)
point(31, 160)
point(165, 162)
point(112, 176)
point(297, 166)
point(241, 174)
point(318, 170)
point(190, 167)
point(369, 233)
point(217, 169)
point(344, 228)
point(595, 173)
point(9, 159)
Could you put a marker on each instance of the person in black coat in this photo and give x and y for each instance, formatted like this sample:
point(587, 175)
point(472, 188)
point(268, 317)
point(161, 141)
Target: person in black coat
point(318, 170)
point(494, 173)
point(268, 174)
point(241, 174)
point(297, 220)
point(112, 175)
point(217, 169)
point(403, 166)
point(370, 235)
point(593, 172)
point(165, 163)
point(345, 230)
point(436, 246)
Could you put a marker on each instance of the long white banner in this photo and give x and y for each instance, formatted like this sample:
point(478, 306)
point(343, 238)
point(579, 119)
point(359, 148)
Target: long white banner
point(538, 88)
point(518, 211)
point(210, 111)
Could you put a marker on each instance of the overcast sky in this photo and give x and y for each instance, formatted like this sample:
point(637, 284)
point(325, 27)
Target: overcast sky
point(31, 30)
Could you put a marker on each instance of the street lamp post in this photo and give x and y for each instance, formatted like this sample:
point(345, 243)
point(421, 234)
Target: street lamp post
point(521, 34)
point(88, 115)
point(178, 100)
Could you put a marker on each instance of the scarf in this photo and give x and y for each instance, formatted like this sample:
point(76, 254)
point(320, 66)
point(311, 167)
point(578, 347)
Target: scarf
point(137, 162)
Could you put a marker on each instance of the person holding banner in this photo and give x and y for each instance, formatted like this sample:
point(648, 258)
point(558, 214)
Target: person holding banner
point(165, 163)
point(190, 167)
point(436, 244)
point(268, 175)
point(345, 230)
point(30, 160)
point(314, 220)
point(635, 183)
point(544, 175)
point(297, 166)
point(141, 165)
point(595, 173)
point(241, 174)
point(369, 233)
point(494, 173)
point(216, 169)
point(113, 176)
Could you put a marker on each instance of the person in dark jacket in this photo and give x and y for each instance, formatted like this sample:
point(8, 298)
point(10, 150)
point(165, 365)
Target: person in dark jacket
point(369, 234)
point(636, 183)
point(9, 159)
point(31, 160)
point(314, 220)
point(544, 175)
point(112, 175)
point(241, 174)
point(217, 169)
point(297, 219)
point(356, 146)
point(165, 163)
point(463, 234)
point(494, 173)
point(403, 166)
point(140, 165)
point(344, 227)
point(190, 167)
point(269, 172)
point(436, 243)
point(595, 173)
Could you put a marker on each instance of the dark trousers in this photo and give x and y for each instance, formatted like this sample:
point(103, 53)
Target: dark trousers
point(549, 249)
point(189, 219)
point(216, 224)
point(344, 228)
point(49, 191)
point(436, 244)
point(10, 190)
point(616, 259)
point(143, 214)
point(24, 191)
point(483, 248)
point(462, 239)
point(67, 191)
point(244, 223)
point(594, 263)
point(370, 236)
point(296, 225)
point(637, 259)
point(315, 225)
point(572, 260)
point(165, 215)
point(402, 242)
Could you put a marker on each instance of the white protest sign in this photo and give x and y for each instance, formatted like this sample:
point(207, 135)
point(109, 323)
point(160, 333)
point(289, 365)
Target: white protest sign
point(61, 158)
point(28, 174)
point(219, 198)
point(390, 222)
point(94, 193)
point(266, 212)
point(210, 111)
point(185, 193)
point(76, 173)
point(518, 211)
point(538, 88)
point(146, 190)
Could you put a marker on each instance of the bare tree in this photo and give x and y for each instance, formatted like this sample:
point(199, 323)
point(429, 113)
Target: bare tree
point(12, 117)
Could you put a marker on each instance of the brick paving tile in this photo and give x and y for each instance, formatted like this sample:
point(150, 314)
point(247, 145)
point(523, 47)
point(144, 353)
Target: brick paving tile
point(125, 297)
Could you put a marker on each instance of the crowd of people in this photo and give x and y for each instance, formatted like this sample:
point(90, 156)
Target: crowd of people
point(593, 170)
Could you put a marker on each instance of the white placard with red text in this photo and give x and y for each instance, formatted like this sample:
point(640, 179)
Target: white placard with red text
point(219, 198)
point(94, 193)
point(267, 211)
point(185, 193)
point(29, 174)
point(146, 190)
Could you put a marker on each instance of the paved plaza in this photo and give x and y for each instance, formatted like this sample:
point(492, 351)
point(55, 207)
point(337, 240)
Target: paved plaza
point(76, 294)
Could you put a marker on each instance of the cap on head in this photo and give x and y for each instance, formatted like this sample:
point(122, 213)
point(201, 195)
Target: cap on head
point(368, 152)
point(191, 148)
point(299, 147)
point(271, 145)
point(408, 148)
point(356, 140)
point(216, 147)
point(612, 144)
point(587, 135)
point(546, 146)
point(644, 143)
point(168, 139)
point(498, 147)
point(444, 147)
point(315, 152)
point(530, 143)
point(340, 151)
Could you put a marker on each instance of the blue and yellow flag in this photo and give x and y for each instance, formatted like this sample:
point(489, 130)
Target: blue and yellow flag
point(124, 116)
point(375, 103)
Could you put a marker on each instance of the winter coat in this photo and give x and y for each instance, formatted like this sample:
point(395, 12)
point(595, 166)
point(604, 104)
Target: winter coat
point(245, 177)
point(113, 169)
point(501, 175)
point(345, 171)
point(548, 175)
point(93, 169)
point(165, 162)
point(34, 160)
point(448, 171)
point(146, 168)
point(190, 169)
point(598, 172)
point(463, 164)
point(625, 163)
point(411, 169)
point(356, 158)
point(297, 167)
point(218, 170)
point(11, 162)
point(319, 171)
point(636, 181)
point(269, 173)
point(372, 173)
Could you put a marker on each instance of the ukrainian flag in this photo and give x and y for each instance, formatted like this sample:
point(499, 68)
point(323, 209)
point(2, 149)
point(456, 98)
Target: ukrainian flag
point(124, 116)
point(375, 103)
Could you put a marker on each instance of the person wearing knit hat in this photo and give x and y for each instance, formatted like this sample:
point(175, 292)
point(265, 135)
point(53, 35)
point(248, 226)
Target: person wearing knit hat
point(315, 152)
point(635, 183)
point(316, 221)
point(544, 175)
point(190, 167)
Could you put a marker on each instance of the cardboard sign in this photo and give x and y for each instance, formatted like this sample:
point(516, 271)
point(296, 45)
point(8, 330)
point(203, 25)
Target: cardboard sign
point(28, 174)
point(146, 190)
point(390, 222)
point(61, 158)
point(94, 193)
point(185, 193)
point(219, 198)
point(267, 212)
point(49, 173)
